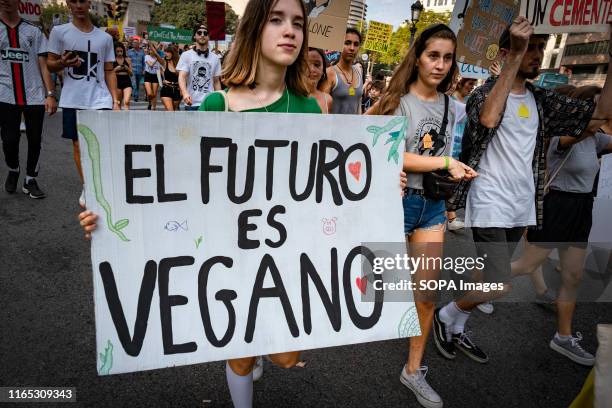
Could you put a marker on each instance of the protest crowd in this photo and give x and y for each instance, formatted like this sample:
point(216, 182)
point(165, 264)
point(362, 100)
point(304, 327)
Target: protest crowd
point(517, 161)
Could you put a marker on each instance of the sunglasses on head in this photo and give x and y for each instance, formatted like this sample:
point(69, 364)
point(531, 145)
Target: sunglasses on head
point(202, 32)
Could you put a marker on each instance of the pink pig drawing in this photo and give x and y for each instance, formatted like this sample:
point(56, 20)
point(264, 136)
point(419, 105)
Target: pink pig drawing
point(329, 226)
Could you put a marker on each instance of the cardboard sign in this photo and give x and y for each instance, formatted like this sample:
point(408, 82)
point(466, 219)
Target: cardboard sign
point(472, 71)
point(568, 16)
point(378, 37)
point(30, 10)
point(169, 35)
point(479, 24)
point(327, 23)
point(227, 235)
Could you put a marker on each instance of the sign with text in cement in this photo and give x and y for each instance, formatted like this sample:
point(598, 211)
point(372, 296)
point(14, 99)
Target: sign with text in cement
point(327, 23)
point(30, 10)
point(169, 35)
point(378, 37)
point(568, 16)
point(478, 25)
point(227, 235)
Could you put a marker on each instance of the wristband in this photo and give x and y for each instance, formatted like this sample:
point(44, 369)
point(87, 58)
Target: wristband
point(446, 162)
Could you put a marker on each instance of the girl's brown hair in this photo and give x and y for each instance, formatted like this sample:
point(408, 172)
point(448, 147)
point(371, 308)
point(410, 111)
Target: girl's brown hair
point(241, 63)
point(175, 54)
point(407, 73)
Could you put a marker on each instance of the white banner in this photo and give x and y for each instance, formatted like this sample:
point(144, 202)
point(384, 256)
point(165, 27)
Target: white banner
point(568, 16)
point(226, 235)
point(30, 10)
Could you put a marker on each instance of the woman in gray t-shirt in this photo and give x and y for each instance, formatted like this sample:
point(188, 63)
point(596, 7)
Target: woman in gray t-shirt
point(572, 167)
point(417, 91)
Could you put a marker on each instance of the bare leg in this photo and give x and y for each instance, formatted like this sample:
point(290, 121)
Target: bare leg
point(76, 154)
point(154, 88)
point(127, 94)
point(169, 106)
point(119, 97)
point(428, 242)
point(572, 267)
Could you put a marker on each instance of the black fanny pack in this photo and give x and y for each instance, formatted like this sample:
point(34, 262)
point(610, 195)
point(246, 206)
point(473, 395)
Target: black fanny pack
point(438, 185)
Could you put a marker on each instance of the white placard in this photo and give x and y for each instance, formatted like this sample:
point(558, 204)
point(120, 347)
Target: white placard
point(604, 187)
point(226, 235)
point(30, 10)
point(568, 16)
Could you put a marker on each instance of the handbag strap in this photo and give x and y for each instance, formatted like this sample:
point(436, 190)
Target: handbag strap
point(552, 177)
point(445, 118)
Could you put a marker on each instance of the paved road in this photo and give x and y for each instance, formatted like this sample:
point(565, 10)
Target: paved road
point(48, 331)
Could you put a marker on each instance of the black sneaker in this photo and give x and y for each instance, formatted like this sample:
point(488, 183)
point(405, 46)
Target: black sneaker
point(10, 185)
point(463, 343)
point(446, 348)
point(32, 189)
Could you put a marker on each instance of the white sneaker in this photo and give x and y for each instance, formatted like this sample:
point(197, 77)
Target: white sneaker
point(486, 307)
point(425, 395)
point(455, 224)
point(258, 368)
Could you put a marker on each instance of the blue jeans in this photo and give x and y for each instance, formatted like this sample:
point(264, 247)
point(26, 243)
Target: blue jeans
point(136, 80)
point(422, 213)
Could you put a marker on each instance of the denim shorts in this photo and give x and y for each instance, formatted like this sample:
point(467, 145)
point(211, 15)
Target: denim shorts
point(422, 213)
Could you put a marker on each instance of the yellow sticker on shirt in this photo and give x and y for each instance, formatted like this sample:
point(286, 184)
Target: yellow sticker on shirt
point(351, 91)
point(427, 141)
point(523, 111)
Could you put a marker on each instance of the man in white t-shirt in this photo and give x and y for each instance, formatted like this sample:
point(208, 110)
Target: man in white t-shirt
point(199, 70)
point(508, 120)
point(25, 89)
point(85, 54)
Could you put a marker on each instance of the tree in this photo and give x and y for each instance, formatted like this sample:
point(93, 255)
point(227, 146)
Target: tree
point(187, 14)
point(401, 37)
point(48, 11)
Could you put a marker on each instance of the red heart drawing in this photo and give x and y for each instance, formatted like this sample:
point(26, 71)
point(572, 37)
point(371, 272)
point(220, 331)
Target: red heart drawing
point(355, 169)
point(362, 284)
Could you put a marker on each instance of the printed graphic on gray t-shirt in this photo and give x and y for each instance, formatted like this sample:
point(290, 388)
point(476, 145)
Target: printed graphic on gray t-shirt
point(423, 132)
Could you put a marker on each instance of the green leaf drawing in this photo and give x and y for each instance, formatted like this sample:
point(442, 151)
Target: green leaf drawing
point(395, 137)
point(198, 241)
point(93, 150)
point(107, 359)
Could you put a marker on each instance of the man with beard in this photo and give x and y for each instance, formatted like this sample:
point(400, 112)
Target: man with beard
point(508, 119)
point(199, 70)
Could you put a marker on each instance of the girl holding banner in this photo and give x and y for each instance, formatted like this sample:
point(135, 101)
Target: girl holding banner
point(417, 90)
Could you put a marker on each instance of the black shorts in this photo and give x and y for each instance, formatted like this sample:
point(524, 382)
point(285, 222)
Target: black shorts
point(123, 82)
point(149, 77)
point(172, 92)
point(568, 218)
point(69, 122)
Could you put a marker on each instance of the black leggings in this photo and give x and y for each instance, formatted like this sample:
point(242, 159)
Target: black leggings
point(10, 119)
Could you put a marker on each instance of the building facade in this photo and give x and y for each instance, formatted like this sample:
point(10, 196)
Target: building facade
point(439, 6)
point(357, 12)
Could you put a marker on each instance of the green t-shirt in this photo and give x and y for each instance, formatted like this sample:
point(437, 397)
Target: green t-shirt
point(215, 102)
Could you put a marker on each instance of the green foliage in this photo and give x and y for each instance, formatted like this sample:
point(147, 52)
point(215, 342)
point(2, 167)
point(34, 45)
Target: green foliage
point(188, 13)
point(51, 9)
point(401, 37)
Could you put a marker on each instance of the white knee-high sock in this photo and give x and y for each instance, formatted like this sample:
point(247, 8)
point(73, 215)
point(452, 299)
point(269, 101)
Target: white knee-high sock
point(460, 320)
point(241, 387)
point(454, 318)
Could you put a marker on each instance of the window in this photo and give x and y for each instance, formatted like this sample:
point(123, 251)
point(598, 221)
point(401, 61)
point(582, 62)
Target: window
point(558, 40)
point(594, 48)
point(428, 3)
point(553, 60)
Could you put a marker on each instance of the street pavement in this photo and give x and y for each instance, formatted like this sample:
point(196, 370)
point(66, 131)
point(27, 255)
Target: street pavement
point(48, 330)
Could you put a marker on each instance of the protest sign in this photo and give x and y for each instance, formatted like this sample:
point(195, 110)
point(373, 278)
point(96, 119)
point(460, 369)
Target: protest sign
point(327, 23)
point(129, 31)
point(472, 71)
point(568, 16)
point(478, 25)
point(163, 34)
point(226, 235)
point(604, 186)
point(30, 10)
point(378, 37)
point(215, 19)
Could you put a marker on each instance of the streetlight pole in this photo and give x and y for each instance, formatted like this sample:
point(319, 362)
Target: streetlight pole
point(415, 14)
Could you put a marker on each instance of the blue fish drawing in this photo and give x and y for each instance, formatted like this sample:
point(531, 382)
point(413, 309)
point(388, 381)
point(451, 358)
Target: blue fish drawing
point(173, 226)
